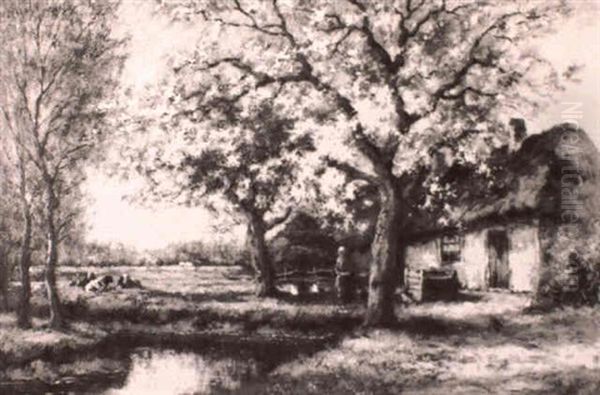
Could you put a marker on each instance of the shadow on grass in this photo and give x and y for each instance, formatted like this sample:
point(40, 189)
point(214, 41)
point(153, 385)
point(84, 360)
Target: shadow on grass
point(249, 318)
point(223, 297)
point(468, 297)
point(341, 321)
point(435, 326)
point(132, 314)
point(320, 299)
point(310, 313)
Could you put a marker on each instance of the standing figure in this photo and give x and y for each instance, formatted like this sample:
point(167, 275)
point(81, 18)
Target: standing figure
point(344, 276)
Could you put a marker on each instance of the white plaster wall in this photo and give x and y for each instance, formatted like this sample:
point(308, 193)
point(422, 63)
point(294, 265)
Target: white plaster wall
point(424, 255)
point(471, 270)
point(524, 257)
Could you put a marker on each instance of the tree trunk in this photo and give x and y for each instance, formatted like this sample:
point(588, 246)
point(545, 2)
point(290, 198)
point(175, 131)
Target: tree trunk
point(24, 304)
point(384, 269)
point(24, 307)
point(56, 317)
point(260, 257)
point(4, 280)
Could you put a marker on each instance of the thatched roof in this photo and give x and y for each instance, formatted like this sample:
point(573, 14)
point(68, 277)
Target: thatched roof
point(532, 182)
point(528, 183)
point(560, 159)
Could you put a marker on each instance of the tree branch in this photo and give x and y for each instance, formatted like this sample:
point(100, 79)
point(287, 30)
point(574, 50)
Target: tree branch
point(350, 171)
point(472, 60)
point(379, 52)
point(68, 220)
point(306, 73)
point(279, 220)
point(283, 24)
point(265, 29)
point(461, 93)
point(376, 156)
point(358, 5)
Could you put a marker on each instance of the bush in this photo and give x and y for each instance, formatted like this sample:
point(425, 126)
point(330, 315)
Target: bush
point(571, 273)
point(303, 244)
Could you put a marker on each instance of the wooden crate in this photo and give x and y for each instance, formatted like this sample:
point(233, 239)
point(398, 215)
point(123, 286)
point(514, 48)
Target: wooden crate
point(431, 284)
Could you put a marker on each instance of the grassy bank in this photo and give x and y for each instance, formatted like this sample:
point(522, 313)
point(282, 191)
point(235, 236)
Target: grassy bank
point(186, 304)
point(19, 347)
point(456, 349)
point(485, 343)
point(192, 299)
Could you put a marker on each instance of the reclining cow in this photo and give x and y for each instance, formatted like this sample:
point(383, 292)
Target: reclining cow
point(99, 284)
point(92, 283)
point(125, 281)
point(82, 279)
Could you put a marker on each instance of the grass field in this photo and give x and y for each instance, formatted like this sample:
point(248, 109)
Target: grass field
point(485, 343)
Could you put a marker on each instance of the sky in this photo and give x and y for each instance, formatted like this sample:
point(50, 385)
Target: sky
point(578, 42)
point(153, 38)
point(111, 217)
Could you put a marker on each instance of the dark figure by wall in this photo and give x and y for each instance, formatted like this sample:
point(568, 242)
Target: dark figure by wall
point(344, 277)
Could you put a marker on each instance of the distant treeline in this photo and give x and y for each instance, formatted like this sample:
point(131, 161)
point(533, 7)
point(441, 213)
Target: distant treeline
point(116, 254)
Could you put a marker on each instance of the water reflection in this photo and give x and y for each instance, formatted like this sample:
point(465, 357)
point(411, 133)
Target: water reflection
point(173, 365)
point(170, 372)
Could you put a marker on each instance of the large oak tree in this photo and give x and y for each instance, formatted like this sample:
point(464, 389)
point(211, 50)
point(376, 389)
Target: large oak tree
point(397, 77)
point(240, 159)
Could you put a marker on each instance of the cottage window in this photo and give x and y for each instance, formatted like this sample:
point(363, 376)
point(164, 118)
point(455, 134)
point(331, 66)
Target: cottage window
point(451, 247)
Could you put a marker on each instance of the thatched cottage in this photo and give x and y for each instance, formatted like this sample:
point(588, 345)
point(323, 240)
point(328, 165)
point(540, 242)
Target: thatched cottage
point(500, 239)
point(503, 235)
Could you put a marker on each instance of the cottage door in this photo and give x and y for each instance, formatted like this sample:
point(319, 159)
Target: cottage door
point(499, 273)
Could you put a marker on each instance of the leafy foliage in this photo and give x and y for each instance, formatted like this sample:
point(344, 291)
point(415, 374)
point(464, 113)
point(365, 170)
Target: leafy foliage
point(394, 77)
point(59, 64)
point(253, 164)
point(391, 79)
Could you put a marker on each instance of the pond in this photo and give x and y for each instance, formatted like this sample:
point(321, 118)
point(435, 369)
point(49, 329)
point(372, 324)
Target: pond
point(172, 368)
point(154, 371)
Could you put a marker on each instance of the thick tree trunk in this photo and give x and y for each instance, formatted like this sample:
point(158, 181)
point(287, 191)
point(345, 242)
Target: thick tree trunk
point(24, 307)
point(260, 257)
point(383, 278)
point(56, 317)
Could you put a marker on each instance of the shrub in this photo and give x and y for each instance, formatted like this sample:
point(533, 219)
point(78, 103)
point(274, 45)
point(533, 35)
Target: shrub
point(571, 272)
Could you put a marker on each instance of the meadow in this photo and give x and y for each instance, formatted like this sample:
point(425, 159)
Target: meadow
point(483, 343)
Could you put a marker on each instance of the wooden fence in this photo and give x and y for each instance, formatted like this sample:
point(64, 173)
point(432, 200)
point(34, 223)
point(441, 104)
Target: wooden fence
point(312, 276)
point(431, 284)
point(414, 283)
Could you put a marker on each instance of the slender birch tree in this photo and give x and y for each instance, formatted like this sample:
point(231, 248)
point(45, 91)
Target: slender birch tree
point(59, 64)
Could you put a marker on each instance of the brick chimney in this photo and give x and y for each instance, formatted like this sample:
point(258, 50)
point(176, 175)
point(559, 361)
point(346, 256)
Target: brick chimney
point(519, 129)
